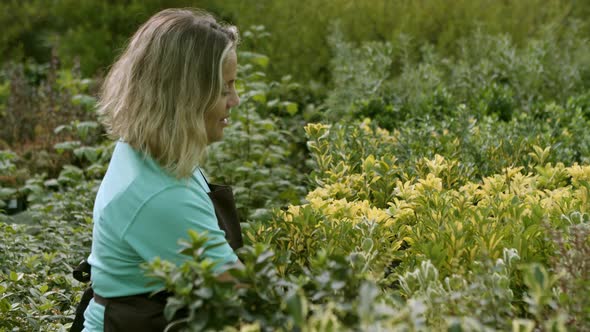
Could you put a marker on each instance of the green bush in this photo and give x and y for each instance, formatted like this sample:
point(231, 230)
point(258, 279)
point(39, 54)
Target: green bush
point(490, 74)
point(37, 290)
point(388, 244)
point(41, 98)
point(96, 30)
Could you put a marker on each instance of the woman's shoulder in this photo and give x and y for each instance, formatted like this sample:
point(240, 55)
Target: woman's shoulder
point(132, 179)
point(132, 167)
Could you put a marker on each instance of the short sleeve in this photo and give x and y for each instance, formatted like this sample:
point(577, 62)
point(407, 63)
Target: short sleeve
point(167, 217)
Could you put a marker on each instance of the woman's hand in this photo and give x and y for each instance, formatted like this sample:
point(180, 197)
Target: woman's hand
point(227, 277)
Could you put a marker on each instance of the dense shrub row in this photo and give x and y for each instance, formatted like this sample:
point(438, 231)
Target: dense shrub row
point(490, 75)
point(379, 248)
point(437, 256)
point(37, 291)
point(95, 30)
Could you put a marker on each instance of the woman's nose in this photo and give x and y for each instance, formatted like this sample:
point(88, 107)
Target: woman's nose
point(234, 100)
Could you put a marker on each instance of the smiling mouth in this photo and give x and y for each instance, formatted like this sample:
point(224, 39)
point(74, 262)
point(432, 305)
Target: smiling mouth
point(225, 120)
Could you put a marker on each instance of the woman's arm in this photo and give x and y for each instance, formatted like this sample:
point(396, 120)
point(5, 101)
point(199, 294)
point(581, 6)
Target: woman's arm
point(227, 277)
point(167, 217)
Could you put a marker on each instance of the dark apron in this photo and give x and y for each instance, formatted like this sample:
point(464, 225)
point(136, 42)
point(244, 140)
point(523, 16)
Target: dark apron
point(143, 312)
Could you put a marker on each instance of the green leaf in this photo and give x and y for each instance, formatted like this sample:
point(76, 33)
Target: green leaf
point(204, 292)
point(367, 244)
point(66, 146)
point(87, 152)
point(84, 100)
point(6, 193)
point(84, 128)
point(13, 276)
point(87, 125)
point(51, 183)
point(5, 305)
point(255, 58)
point(297, 308)
point(61, 128)
point(258, 96)
point(70, 175)
point(46, 306)
point(523, 325)
point(43, 288)
point(290, 107)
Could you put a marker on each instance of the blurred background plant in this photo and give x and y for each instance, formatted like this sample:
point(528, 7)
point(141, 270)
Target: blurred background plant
point(96, 30)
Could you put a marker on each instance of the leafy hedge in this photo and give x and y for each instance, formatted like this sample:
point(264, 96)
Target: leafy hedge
point(378, 248)
point(490, 75)
point(95, 30)
point(37, 290)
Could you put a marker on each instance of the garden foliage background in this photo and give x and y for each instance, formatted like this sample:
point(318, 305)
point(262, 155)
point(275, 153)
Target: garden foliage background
point(398, 165)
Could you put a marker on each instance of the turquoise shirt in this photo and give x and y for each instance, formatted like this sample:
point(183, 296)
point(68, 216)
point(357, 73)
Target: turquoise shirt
point(140, 213)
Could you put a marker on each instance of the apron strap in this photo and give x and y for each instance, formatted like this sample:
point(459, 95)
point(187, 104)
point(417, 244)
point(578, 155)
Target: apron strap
point(78, 324)
point(204, 178)
point(222, 198)
point(203, 175)
point(82, 272)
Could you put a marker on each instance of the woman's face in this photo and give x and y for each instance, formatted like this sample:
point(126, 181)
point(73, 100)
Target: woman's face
point(218, 117)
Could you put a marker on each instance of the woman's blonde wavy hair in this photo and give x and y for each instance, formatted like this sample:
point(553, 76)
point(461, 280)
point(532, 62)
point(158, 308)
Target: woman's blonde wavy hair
point(157, 93)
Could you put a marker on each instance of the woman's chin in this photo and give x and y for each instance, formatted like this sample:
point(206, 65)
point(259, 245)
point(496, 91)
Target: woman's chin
point(216, 138)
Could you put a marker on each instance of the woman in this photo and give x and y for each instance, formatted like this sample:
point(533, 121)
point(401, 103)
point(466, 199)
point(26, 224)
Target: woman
point(166, 98)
